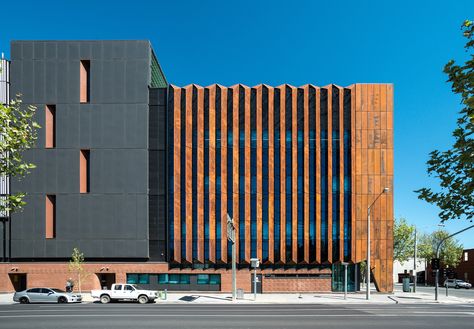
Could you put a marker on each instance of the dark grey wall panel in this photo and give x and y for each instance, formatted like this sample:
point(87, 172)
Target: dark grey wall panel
point(157, 174)
point(112, 220)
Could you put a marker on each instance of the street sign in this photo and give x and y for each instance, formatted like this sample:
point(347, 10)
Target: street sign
point(230, 229)
point(254, 262)
point(231, 238)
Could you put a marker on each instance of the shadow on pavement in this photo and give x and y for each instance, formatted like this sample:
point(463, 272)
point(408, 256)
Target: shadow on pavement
point(192, 298)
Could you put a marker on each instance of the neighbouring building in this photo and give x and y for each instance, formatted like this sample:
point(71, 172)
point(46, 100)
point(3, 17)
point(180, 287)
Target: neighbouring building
point(464, 270)
point(405, 269)
point(140, 176)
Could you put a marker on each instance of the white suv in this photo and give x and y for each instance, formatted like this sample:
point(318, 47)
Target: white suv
point(455, 283)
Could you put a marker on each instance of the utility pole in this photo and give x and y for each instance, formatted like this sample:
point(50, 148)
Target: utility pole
point(414, 267)
point(231, 239)
point(385, 190)
point(438, 248)
point(345, 279)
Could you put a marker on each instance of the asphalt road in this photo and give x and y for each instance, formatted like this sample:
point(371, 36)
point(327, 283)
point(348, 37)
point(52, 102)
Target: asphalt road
point(236, 316)
point(462, 293)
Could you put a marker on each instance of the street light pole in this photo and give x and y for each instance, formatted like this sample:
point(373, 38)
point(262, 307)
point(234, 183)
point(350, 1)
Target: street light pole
point(438, 248)
point(367, 296)
point(414, 267)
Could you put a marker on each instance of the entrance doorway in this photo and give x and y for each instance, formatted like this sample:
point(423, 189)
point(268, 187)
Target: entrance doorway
point(18, 281)
point(106, 280)
point(259, 283)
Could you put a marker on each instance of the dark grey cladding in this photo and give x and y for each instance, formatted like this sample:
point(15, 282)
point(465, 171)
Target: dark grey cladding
point(127, 161)
point(157, 174)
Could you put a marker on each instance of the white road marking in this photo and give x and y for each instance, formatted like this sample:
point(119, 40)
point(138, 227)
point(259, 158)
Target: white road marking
point(462, 314)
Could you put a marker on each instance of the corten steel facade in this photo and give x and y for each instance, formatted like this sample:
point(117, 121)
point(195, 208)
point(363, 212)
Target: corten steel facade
point(287, 163)
point(140, 175)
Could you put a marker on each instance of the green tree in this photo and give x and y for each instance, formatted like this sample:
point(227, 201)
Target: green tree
point(403, 240)
point(76, 266)
point(17, 134)
point(450, 251)
point(454, 168)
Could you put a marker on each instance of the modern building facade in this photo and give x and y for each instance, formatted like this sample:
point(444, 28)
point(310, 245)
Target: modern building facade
point(140, 175)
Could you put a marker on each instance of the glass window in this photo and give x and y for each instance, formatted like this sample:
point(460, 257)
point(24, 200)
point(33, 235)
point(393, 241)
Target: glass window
point(215, 279)
point(162, 278)
point(34, 290)
point(118, 287)
point(143, 279)
point(173, 279)
point(203, 279)
point(132, 278)
point(184, 279)
point(128, 287)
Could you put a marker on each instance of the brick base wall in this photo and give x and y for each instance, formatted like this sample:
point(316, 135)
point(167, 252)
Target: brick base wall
point(55, 275)
point(296, 284)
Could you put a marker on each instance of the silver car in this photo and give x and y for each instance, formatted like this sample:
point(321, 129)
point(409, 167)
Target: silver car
point(450, 283)
point(45, 295)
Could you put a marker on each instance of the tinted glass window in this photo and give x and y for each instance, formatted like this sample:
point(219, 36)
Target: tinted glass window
point(203, 279)
point(34, 290)
point(45, 291)
point(127, 287)
point(162, 278)
point(118, 287)
point(184, 279)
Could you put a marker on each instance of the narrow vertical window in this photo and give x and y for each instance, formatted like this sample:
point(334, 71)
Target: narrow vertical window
point(84, 172)
point(50, 126)
point(50, 217)
point(85, 81)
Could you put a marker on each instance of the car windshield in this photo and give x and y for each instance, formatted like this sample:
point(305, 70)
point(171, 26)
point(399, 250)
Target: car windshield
point(57, 290)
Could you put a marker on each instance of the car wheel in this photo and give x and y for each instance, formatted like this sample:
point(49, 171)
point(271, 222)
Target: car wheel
point(456, 287)
point(104, 299)
point(143, 299)
point(62, 300)
point(24, 300)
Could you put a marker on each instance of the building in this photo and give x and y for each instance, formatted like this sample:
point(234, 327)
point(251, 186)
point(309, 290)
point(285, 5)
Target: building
point(463, 271)
point(140, 176)
point(405, 269)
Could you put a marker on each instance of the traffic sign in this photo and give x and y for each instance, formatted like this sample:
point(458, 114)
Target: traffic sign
point(230, 229)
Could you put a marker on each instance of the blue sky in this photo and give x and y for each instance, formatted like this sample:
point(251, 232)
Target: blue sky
point(405, 43)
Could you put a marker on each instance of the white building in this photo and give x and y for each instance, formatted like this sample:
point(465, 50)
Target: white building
point(407, 267)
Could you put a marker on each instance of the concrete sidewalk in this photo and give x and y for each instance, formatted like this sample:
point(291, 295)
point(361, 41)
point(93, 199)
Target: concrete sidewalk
point(398, 297)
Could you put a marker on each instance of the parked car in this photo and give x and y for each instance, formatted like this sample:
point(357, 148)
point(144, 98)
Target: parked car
point(122, 291)
point(45, 295)
point(455, 283)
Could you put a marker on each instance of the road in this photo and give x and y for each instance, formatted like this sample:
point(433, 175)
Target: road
point(202, 316)
point(462, 293)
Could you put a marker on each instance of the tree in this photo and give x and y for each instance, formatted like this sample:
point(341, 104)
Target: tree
point(450, 251)
point(403, 240)
point(454, 168)
point(76, 266)
point(18, 134)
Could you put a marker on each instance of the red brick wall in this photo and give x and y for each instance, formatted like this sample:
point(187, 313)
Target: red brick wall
point(296, 284)
point(56, 274)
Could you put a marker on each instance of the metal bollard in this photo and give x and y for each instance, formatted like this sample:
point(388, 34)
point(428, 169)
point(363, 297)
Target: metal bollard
point(166, 294)
point(446, 290)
